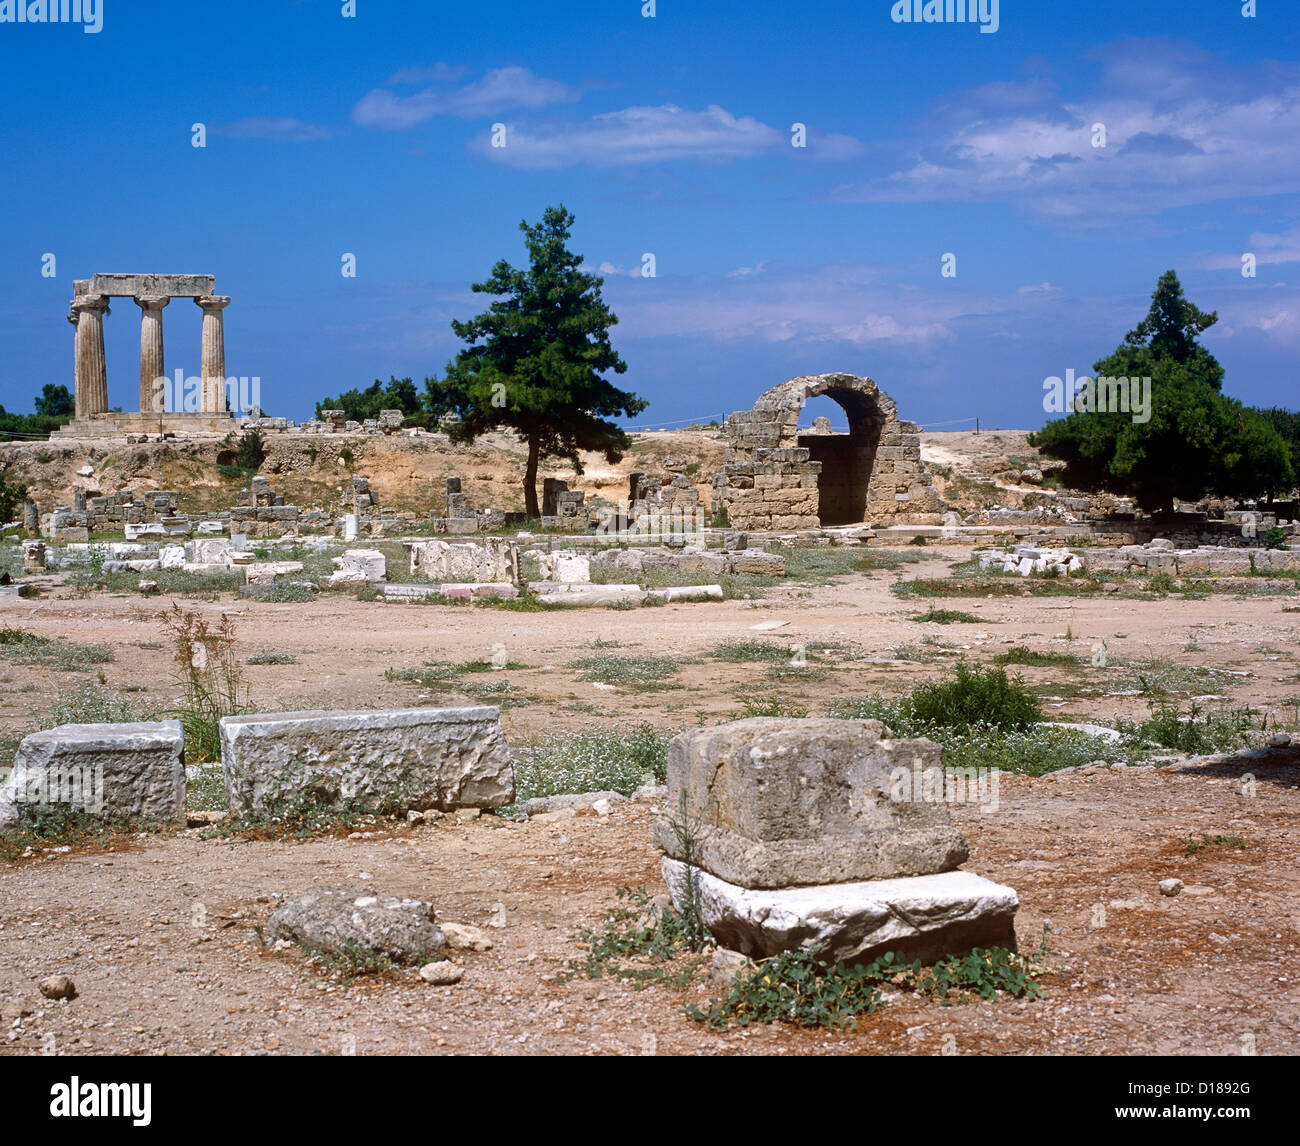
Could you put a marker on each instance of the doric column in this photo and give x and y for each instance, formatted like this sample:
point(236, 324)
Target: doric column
point(212, 369)
point(92, 375)
point(151, 351)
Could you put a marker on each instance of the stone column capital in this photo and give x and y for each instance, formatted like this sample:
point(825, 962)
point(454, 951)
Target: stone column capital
point(212, 301)
point(152, 301)
point(89, 302)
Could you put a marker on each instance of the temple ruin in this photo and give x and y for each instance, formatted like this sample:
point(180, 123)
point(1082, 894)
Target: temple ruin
point(775, 476)
point(151, 294)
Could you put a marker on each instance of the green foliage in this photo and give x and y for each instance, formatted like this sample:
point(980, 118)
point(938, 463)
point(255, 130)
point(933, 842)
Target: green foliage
point(1273, 538)
point(1198, 733)
point(1197, 441)
point(591, 759)
point(24, 648)
point(771, 704)
point(972, 696)
point(358, 405)
point(645, 674)
point(271, 658)
point(90, 703)
point(55, 401)
point(794, 987)
point(12, 495)
point(1023, 655)
point(639, 941)
point(1287, 424)
point(534, 359)
point(800, 987)
point(949, 617)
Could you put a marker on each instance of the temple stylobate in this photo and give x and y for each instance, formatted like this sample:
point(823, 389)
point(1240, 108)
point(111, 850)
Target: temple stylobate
point(151, 293)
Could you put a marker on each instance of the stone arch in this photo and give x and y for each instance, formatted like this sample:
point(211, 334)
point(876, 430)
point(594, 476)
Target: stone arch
point(776, 477)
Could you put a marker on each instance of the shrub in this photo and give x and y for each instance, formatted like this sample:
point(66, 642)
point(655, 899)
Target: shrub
point(974, 696)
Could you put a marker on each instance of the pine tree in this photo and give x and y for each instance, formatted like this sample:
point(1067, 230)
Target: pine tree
point(535, 359)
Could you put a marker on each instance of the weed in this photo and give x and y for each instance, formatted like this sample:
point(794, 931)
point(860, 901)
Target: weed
point(26, 648)
point(210, 676)
point(948, 617)
point(591, 759)
point(644, 674)
point(1195, 734)
point(1206, 842)
point(771, 705)
point(1023, 655)
point(800, 987)
point(638, 942)
point(91, 703)
point(270, 658)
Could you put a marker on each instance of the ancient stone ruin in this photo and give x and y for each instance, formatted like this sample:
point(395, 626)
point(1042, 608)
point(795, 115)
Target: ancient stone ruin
point(460, 517)
point(776, 477)
point(109, 772)
point(416, 758)
point(791, 832)
point(151, 293)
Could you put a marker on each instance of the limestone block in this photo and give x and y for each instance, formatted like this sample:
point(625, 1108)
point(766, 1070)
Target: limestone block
point(361, 564)
point(926, 917)
point(131, 771)
point(415, 758)
point(171, 557)
point(402, 928)
point(786, 802)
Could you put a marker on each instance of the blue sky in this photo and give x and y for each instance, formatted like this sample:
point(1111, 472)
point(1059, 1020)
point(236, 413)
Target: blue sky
point(670, 135)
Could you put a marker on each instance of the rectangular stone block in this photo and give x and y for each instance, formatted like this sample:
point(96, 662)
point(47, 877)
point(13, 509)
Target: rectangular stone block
point(130, 772)
point(174, 286)
point(786, 803)
point(925, 917)
point(397, 760)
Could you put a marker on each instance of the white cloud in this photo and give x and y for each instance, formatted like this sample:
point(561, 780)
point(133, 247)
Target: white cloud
point(284, 128)
point(640, 135)
point(1181, 128)
point(499, 90)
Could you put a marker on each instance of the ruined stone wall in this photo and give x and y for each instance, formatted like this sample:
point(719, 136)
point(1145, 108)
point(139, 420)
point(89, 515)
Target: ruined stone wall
point(773, 477)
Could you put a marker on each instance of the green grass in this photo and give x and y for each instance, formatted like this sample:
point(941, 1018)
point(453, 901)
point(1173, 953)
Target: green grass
point(271, 658)
point(949, 617)
point(750, 652)
point(90, 703)
point(595, 758)
point(443, 676)
point(1023, 655)
point(23, 648)
point(1207, 842)
point(643, 674)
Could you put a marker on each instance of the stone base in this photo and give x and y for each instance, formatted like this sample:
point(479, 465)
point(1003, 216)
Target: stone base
point(115, 772)
point(926, 917)
point(118, 425)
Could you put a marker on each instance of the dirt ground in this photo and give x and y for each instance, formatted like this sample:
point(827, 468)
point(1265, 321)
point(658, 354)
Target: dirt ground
point(1211, 971)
